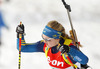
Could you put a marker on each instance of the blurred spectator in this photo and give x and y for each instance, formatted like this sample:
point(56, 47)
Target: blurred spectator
point(2, 24)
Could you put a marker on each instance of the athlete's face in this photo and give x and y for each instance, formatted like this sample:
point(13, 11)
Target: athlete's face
point(50, 42)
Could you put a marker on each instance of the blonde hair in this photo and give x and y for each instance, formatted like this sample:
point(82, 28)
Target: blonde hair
point(57, 26)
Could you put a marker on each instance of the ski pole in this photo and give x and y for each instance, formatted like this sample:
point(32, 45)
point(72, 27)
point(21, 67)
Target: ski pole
point(20, 37)
point(73, 31)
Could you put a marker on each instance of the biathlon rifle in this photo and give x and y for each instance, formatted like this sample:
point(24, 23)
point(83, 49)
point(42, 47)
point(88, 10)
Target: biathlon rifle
point(72, 31)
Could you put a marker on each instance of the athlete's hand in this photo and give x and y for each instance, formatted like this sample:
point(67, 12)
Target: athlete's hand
point(85, 66)
point(20, 29)
point(64, 49)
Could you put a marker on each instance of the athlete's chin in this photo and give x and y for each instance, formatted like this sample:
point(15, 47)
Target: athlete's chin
point(49, 46)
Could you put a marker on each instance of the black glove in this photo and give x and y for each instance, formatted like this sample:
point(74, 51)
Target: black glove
point(20, 30)
point(84, 66)
point(64, 49)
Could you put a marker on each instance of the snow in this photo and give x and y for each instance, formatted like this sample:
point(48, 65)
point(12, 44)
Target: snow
point(35, 14)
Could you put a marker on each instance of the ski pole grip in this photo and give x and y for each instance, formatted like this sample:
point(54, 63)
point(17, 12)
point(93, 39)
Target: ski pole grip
point(66, 6)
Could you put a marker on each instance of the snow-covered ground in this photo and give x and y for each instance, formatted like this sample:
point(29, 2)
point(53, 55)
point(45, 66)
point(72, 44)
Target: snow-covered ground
point(35, 14)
